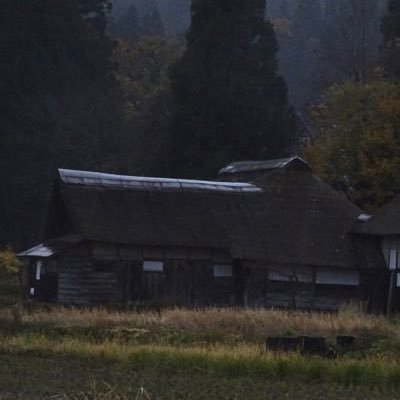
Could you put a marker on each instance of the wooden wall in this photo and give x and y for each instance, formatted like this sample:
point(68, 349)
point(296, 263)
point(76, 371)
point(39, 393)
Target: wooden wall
point(114, 274)
point(85, 282)
point(302, 287)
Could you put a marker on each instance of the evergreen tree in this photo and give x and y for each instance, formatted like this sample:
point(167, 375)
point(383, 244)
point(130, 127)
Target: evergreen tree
point(150, 19)
point(176, 17)
point(350, 39)
point(96, 11)
point(299, 61)
point(308, 19)
point(283, 10)
point(128, 27)
point(390, 29)
point(60, 103)
point(231, 104)
point(152, 24)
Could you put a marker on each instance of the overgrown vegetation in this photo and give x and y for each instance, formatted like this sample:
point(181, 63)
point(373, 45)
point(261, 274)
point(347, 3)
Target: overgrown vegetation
point(182, 353)
point(11, 277)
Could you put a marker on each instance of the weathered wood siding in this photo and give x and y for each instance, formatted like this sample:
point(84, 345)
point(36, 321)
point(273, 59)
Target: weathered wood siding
point(81, 282)
point(116, 274)
point(182, 282)
point(301, 287)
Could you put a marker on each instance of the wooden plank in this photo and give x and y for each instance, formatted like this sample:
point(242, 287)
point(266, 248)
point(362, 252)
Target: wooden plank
point(80, 283)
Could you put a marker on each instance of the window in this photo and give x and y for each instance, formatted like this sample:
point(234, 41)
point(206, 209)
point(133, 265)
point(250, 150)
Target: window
point(153, 266)
point(223, 271)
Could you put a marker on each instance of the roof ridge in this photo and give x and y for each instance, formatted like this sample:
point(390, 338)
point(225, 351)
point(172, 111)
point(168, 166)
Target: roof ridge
point(89, 178)
point(248, 166)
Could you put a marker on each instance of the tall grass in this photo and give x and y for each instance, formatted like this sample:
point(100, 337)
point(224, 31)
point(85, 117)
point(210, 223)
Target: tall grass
point(180, 351)
point(213, 342)
point(248, 324)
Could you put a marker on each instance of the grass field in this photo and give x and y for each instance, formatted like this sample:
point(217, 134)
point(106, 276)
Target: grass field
point(65, 353)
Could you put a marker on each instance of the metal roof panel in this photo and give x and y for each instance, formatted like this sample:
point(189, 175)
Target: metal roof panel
point(88, 178)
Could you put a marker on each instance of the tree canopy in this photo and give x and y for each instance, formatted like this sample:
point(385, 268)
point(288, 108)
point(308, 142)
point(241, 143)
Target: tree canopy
point(60, 103)
point(390, 29)
point(358, 146)
point(230, 102)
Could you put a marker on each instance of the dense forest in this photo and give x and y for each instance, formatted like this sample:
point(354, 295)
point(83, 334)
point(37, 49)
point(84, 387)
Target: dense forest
point(180, 87)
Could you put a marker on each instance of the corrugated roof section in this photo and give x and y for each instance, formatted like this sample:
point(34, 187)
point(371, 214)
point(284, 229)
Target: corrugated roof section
point(87, 178)
point(52, 247)
point(250, 166)
point(42, 250)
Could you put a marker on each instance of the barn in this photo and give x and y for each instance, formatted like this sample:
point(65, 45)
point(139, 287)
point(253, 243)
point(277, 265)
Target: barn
point(262, 234)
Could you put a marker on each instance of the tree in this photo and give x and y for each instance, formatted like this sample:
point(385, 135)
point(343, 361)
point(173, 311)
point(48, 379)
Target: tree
point(143, 67)
point(283, 10)
point(11, 265)
point(9, 262)
point(358, 146)
point(142, 18)
point(390, 29)
point(298, 55)
point(152, 24)
point(60, 103)
point(350, 39)
point(128, 27)
point(230, 102)
point(308, 20)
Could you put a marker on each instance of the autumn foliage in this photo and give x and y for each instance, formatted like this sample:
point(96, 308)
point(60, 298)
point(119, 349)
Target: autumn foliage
point(357, 148)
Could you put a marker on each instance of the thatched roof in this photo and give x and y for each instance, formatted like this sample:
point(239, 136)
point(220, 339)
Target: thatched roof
point(385, 222)
point(291, 217)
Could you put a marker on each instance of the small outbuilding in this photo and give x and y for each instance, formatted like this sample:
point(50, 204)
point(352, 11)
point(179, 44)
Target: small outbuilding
point(263, 234)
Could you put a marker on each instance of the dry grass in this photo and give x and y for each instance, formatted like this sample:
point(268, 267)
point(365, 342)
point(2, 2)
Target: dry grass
point(208, 349)
point(249, 324)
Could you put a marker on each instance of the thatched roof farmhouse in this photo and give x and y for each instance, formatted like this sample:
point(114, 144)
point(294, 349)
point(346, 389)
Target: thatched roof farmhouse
point(262, 234)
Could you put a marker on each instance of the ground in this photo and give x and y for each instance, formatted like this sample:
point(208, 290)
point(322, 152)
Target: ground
point(68, 353)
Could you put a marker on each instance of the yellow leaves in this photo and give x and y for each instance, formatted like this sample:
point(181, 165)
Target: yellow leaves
point(358, 145)
point(9, 261)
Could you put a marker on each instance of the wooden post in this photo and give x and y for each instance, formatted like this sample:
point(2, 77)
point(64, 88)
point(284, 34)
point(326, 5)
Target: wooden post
point(390, 295)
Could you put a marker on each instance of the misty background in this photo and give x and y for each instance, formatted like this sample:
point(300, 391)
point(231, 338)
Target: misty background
point(320, 41)
point(95, 85)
